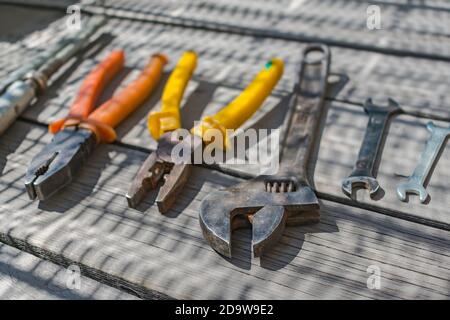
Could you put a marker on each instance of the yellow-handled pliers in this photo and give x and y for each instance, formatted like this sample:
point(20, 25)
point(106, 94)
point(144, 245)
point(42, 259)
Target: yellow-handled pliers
point(164, 125)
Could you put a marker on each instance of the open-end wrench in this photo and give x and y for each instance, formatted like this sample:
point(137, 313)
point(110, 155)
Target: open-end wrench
point(268, 203)
point(433, 148)
point(365, 170)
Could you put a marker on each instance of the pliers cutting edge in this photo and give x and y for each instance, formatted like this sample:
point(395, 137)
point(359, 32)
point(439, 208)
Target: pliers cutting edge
point(165, 127)
point(77, 135)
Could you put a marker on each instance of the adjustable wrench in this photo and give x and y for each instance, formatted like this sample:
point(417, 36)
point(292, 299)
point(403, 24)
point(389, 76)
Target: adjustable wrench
point(366, 168)
point(433, 148)
point(268, 203)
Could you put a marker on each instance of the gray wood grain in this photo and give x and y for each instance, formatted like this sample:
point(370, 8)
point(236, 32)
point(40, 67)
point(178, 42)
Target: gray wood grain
point(224, 70)
point(142, 250)
point(227, 63)
point(157, 256)
point(24, 276)
point(404, 29)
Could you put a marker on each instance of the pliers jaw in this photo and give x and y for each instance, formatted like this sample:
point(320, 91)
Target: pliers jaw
point(147, 178)
point(53, 167)
point(160, 165)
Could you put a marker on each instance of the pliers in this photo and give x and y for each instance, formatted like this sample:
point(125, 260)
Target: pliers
point(78, 134)
point(165, 126)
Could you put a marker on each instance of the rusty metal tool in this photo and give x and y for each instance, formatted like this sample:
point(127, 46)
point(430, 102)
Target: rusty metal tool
point(433, 148)
point(165, 126)
point(24, 85)
point(268, 203)
point(365, 170)
point(77, 135)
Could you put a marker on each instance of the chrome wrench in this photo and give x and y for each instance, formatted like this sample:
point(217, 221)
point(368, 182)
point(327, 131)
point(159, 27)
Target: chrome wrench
point(366, 168)
point(433, 148)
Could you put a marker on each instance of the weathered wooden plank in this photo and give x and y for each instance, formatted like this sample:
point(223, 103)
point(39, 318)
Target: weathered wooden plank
point(90, 223)
point(419, 84)
point(419, 4)
point(203, 97)
point(24, 276)
point(16, 43)
point(405, 29)
point(228, 62)
point(13, 31)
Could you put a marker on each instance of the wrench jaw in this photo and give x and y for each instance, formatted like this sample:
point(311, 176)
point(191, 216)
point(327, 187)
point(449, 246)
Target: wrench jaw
point(268, 213)
point(431, 126)
point(353, 183)
point(215, 221)
point(268, 226)
point(412, 187)
point(392, 106)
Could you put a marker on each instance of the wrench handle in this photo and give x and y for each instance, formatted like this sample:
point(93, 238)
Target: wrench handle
point(429, 156)
point(374, 138)
point(305, 111)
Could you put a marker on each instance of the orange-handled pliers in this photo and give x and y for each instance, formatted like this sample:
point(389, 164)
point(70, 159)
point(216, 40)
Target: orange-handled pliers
point(78, 134)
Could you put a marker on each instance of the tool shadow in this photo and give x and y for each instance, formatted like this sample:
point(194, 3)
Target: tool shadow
point(281, 254)
point(11, 145)
point(290, 246)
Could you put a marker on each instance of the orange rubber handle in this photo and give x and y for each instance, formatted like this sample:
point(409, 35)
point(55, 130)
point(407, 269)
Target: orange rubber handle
point(122, 104)
point(91, 89)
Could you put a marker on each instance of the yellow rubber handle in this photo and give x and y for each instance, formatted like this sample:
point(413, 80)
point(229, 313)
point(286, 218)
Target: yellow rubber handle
point(245, 105)
point(168, 119)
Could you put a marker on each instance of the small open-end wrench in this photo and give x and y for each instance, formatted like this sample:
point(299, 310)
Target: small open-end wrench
point(433, 148)
point(269, 203)
point(365, 170)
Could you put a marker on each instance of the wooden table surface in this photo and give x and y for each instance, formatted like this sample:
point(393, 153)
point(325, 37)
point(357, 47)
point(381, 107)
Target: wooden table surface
point(128, 253)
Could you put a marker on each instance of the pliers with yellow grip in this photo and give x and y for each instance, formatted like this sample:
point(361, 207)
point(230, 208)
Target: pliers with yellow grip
point(165, 126)
point(78, 134)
